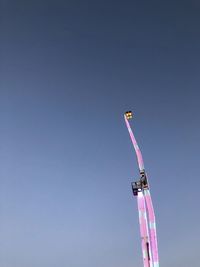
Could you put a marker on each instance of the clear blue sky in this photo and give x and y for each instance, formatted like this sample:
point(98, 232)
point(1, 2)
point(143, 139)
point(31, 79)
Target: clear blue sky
point(68, 71)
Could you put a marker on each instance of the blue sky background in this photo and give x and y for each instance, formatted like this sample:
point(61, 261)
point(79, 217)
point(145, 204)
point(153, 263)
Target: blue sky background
point(68, 72)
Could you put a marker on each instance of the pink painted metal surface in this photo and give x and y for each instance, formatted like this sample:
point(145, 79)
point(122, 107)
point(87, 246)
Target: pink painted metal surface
point(144, 231)
point(145, 207)
point(152, 227)
point(137, 150)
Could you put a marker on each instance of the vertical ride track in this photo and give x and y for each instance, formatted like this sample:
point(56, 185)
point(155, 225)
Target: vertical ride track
point(145, 207)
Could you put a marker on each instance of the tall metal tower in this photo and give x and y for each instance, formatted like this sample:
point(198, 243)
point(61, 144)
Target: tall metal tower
point(145, 207)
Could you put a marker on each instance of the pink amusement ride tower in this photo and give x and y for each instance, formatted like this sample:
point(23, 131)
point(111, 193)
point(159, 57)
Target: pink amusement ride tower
point(145, 207)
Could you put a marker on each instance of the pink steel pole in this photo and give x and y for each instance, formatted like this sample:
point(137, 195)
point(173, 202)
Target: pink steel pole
point(150, 216)
point(136, 147)
point(144, 231)
point(152, 227)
